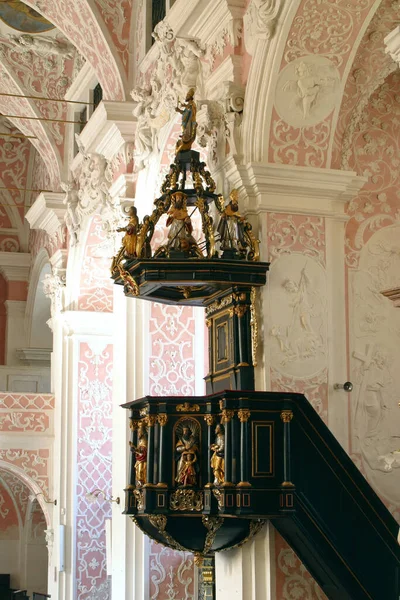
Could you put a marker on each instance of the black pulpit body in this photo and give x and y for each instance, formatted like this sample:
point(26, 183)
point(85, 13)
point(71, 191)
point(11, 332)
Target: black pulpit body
point(208, 459)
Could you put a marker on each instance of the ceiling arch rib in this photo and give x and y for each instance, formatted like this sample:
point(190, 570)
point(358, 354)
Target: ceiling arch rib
point(370, 68)
point(79, 23)
point(23, 107)
point(116, 16)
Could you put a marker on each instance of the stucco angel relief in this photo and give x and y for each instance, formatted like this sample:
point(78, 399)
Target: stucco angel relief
point(297, 314)
point(306, 91)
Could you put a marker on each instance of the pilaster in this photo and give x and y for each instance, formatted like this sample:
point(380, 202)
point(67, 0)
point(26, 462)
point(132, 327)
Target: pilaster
point(248, 573)
point(15, 332)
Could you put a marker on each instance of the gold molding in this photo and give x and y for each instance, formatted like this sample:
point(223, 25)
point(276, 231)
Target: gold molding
point(187, 407)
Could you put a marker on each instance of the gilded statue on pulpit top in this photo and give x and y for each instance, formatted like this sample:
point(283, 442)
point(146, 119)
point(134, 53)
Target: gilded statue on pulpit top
point(187, 455)
point(189, 125)
point(236, 236)
point(140, 452)
point(218, 457)
point(231, 225)
point(180, 230)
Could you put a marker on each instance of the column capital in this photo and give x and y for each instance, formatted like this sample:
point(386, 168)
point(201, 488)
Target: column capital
point(291, 189)
point(47, 212)
point(97, 324)
point(392, 44)
point(110, 127)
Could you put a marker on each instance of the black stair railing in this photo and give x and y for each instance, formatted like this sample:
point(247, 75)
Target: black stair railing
point(339, 527)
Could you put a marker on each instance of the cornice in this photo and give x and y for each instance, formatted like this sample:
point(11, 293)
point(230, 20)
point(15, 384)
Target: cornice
point(34, 356)
point(392, 44)
point(85, 323)
point(214, 18)
point(14, 266)
point(111, 126)
point(290, 189)
point(47, 212)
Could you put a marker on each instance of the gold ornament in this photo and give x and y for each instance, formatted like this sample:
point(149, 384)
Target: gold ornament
point(163, 419)
point(244, 415)
point(254, 326)
point(187, 407)
point(186, 499)
point(227, 415)
point(286, 416)
point(212, 524)
point(139, 499)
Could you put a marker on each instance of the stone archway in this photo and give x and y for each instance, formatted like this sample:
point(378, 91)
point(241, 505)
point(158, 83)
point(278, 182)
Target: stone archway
point(24, 531)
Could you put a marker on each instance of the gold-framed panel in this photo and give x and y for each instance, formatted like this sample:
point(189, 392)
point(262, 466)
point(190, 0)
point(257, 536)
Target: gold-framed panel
point(256, 428)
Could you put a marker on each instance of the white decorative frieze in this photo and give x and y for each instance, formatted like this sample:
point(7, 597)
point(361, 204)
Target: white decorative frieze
point(89, 193)
point(42, 46)
point(260, 21)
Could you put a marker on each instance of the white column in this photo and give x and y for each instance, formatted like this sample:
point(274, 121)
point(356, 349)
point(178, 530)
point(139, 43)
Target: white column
point(15, 333)
point(128, 543)
point(247, 573)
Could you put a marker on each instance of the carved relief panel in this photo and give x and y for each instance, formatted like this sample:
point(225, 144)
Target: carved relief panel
point(374, 339)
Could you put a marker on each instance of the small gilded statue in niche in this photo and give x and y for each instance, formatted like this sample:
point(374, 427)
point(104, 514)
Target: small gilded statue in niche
point(218, 457)
point(128, 248)
point(180, 226)
point(231, 227)
point(140, 452)
point(186, 455)
point(189, 125)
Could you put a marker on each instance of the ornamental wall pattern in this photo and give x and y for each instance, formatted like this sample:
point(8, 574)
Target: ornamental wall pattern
point(314, 62)
point(94, 467)
point(79, 24)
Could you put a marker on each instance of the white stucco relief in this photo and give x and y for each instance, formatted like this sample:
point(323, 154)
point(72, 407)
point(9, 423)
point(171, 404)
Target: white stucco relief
point(375, 333)
point(307, 90)
point(297, 316)
point(260, 21)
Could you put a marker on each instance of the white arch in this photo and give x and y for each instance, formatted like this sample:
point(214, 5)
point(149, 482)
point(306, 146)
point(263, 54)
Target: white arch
point(42, 259)
point(31, 484)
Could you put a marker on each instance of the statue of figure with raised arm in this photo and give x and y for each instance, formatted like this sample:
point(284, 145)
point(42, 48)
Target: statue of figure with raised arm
point(189, 125)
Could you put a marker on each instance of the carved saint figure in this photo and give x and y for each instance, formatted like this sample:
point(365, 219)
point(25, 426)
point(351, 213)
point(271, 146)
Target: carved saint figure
point(180, 226)
point(187, 452)
point(140, 452)
point(131, 231)
point(217, 459)
point(231, 225)
point(189, 125)
point(145, 135)
point(300, 340)
point(373, 417)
